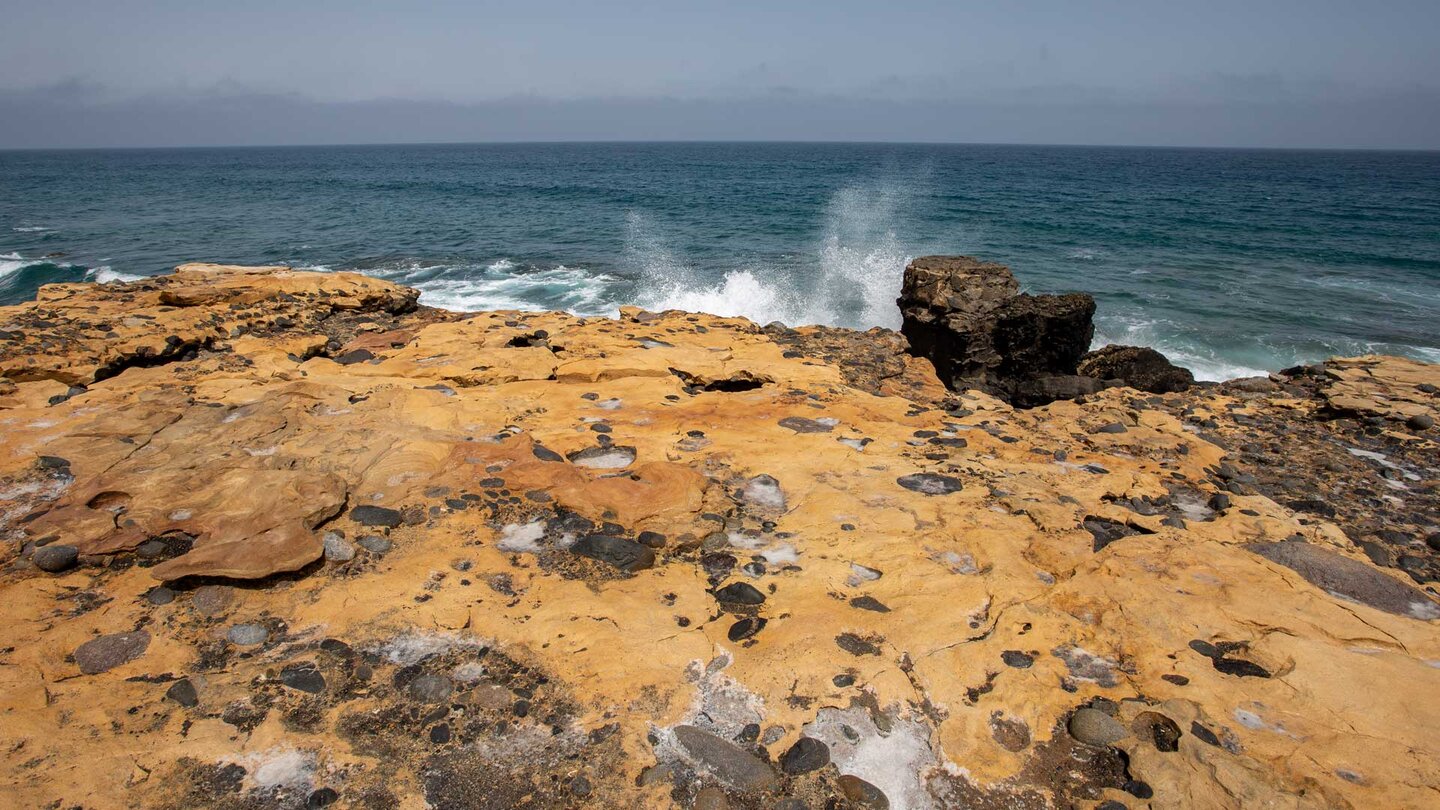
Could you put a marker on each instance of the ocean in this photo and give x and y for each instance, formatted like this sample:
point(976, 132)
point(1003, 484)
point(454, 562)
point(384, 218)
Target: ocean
point(1231, 262)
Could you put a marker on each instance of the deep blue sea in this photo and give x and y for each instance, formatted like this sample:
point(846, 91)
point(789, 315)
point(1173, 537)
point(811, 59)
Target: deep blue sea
point(1229, 261)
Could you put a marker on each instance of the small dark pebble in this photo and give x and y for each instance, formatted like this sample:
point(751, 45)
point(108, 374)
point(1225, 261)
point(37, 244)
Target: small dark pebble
point(746, 628)
point(304, 677)
point(869, 603)
point(739, 593)
point(369, 515)
point(853, 644)
point(806, 755)
point(183, 692)
point(1017, 659)
point(55, 559)
point(160, 595)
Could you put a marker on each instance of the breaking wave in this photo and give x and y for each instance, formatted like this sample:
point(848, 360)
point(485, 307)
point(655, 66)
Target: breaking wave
point(850, 279)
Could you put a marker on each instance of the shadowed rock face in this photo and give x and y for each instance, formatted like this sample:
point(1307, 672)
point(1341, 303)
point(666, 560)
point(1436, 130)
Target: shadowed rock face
point(673, 560)
point(1138, 368)
point(1143, 369)
point(970, 319)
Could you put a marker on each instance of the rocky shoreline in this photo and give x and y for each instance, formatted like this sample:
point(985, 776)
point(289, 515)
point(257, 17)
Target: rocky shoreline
point(285, 539)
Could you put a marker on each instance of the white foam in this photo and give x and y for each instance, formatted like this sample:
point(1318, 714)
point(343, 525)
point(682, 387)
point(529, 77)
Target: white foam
point(104, 275)
point(13, 262)
point(31, 229)
point(573, 289)
point(861, 263)
point(1161, 335)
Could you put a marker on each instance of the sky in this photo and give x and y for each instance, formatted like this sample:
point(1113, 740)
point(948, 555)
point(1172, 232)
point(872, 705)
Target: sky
point(1269, 73)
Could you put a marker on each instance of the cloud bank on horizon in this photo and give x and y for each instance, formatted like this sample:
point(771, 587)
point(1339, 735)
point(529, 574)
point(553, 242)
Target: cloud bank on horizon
point(1286, 73)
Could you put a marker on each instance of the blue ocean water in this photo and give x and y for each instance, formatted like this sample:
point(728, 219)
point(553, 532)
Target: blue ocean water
point(1229, 261)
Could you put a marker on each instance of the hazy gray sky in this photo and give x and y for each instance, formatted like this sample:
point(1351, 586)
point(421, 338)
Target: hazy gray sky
point(1262, 73)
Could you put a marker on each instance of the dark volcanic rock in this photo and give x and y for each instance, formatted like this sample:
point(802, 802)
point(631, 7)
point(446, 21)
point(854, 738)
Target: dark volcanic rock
point(303, 676)
point(183, 692)
point(971, 320)
point(1046, 388)
point(747, 627)
point(55, 558)
point(862, 794)
point(1349, 578)
point(1137, 367)
point(729, 762)
point(739, 593)
point(617, 551)
point(107, 652)
point(806, 755)
point(930, 483)
point(376, 516)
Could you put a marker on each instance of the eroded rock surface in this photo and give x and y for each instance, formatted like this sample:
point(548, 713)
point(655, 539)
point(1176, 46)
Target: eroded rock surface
point(335, 548)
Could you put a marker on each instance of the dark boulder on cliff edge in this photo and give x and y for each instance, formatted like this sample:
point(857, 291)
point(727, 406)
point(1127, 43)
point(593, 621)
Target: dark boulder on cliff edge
point(971, 320)
point(1138, 367)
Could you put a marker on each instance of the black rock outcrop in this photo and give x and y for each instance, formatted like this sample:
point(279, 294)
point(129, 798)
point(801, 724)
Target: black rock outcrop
point(971, 320)
point(1138, 367)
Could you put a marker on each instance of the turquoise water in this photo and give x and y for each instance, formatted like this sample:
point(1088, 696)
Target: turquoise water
point(1229, 261)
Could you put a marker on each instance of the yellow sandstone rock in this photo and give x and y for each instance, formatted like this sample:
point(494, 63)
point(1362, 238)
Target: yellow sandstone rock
point(496, 560)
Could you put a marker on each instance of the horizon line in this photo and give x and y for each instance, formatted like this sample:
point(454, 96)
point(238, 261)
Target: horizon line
point(700, 141)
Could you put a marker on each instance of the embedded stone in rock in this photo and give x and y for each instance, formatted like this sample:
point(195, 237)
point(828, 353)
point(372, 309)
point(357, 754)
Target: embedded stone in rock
point(855, 645)
point(1017, 659)
point(740, 593)
point(764, 491)
point(710, 798)
point(930, 483)
point(1349, 578)
point(1094, 727)
point(729, 763)
point(337, 548)
point(304, 677)
point(248, 635)
point(107, 652)
point(1106, 531)
point(1113, 427)
point(56, 558)
point(212, 600)
point(429, 688)
point(350, 358)
point(183, 692)
point(545, 454)
point(806, 755)
point(369, 515)
point(862, 793)
point(800, 424)
point(616, 551)
point(746, 628)
point(869, 603)
point(603, 458)
point(375, 544)
point(159, 595)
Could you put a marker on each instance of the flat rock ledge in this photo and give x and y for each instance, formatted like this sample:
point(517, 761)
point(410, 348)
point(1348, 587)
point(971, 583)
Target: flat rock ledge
point(272, 538)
